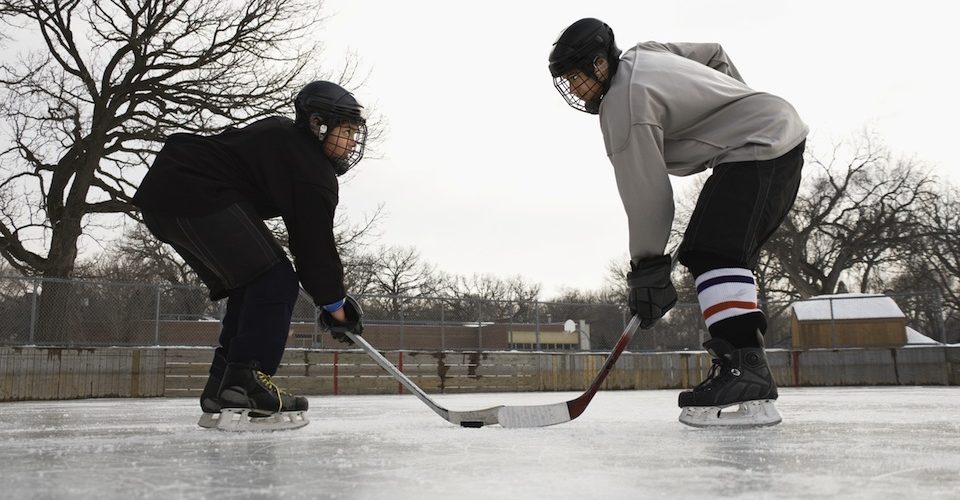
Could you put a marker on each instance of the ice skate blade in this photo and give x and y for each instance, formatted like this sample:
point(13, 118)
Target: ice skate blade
point(209, 420)
point(240, 420)
point(758, 413)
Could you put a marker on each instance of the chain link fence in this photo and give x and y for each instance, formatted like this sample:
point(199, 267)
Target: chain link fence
point(72, 313)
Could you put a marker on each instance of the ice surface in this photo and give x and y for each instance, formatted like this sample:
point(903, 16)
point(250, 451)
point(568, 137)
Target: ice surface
point(898, 442)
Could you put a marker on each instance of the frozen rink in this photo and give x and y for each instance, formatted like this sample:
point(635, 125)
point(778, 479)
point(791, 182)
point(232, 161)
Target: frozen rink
point(901, 442)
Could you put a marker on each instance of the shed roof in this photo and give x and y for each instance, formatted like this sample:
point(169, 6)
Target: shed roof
point(846, 306)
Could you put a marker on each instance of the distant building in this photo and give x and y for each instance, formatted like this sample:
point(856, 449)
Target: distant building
point(458, 336)
point(552, 336)
point(847, 320)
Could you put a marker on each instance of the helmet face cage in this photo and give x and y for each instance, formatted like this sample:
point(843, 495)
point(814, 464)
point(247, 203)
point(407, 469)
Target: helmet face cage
point(346, 142)
point(566, 83)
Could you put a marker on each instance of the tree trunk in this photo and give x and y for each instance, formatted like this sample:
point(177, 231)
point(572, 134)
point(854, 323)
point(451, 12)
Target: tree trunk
point(58, 305)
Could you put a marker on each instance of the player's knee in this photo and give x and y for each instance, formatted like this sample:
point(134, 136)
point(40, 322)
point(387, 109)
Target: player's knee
point(290, 284)
point(279, 282)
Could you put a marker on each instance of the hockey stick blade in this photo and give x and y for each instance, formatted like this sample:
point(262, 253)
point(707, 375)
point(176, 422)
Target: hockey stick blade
point(558, 413)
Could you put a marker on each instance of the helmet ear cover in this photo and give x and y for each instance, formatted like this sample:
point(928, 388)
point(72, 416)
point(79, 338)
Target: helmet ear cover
point(322, 127)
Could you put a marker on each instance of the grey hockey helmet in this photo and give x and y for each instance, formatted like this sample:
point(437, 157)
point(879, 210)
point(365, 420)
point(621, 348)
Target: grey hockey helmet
point(335, 106)
point(577, 47)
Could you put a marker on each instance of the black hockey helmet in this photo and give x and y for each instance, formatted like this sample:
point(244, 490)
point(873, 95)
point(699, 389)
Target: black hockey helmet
point(577, 47)
point(334, 105)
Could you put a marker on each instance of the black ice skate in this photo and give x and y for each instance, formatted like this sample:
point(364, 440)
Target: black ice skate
point(249, 400)
point(209, 398)
point(737, 377)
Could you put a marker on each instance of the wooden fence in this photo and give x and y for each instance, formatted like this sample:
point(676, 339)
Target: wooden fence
point(33, 373)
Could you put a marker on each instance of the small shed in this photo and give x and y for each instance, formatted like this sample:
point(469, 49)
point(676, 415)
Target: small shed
point(847, 320)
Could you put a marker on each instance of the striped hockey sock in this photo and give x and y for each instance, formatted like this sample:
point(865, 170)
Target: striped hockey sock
point(726, 294)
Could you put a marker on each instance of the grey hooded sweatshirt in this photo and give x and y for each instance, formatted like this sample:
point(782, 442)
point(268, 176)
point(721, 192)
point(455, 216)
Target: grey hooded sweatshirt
point(678, 109)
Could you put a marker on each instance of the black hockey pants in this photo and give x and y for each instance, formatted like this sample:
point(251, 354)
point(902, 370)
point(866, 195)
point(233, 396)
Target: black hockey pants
point(235, 255)
point(740, 207)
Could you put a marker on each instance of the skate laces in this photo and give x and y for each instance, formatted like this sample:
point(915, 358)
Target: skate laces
point(265, 380)
point(715, 371)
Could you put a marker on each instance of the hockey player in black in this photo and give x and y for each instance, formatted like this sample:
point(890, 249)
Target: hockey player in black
point(207, 196)
point(678, 109)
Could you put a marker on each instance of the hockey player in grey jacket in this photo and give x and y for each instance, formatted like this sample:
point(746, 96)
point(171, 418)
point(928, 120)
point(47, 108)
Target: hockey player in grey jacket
point(678, 109)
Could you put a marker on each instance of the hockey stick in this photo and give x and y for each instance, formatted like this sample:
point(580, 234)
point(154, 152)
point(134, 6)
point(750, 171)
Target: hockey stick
point(558, 413)
point(518, 415)
point(477, 418)
point(510, 416)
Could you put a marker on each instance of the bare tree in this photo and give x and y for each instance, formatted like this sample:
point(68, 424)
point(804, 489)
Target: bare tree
point(400, 279)
point(86, 114)
point(491, 297)
point(615, 288)
point(402, 272)
point(855, 219)
point(943, 220)
point(139, 257)
point(928, 281)
point(397, 283)
point(860, 218)
point(115, 78)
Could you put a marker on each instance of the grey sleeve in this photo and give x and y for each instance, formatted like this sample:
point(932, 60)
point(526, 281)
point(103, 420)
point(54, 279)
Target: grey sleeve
point(709, 54)
point(645, 190)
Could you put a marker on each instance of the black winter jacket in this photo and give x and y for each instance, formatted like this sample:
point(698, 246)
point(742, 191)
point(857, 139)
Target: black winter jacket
point(278, 167)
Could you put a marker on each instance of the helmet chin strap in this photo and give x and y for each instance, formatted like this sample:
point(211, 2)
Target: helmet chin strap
point(612, 66)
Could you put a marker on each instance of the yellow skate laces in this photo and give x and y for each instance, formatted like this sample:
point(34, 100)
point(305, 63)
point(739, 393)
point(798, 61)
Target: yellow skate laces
point(265, 380)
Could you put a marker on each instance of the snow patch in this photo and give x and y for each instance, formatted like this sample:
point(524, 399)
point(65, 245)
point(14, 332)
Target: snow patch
point(847, 306)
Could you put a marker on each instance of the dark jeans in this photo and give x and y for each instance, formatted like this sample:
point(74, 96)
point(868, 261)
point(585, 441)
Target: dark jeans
point(235, 255)
point(740, 207)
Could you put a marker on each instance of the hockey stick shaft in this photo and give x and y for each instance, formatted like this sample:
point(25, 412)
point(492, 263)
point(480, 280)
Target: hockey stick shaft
point(397, 374)
point(578, 405)
point(393, 370)
point(474, 418)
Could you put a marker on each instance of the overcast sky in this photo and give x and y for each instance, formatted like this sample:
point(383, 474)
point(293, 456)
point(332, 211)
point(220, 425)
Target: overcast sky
point(485, 168)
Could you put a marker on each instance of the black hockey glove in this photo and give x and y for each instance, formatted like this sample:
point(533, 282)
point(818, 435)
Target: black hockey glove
point(651, 291)
point(353, 324)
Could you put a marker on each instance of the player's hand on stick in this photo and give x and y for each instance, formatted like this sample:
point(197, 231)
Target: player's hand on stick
point(651, 291)
point(346, 319)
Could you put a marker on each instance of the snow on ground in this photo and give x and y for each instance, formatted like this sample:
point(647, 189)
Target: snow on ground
point(895, 442)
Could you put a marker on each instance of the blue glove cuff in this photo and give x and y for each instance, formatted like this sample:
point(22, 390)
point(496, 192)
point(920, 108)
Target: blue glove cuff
point(335, 306)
